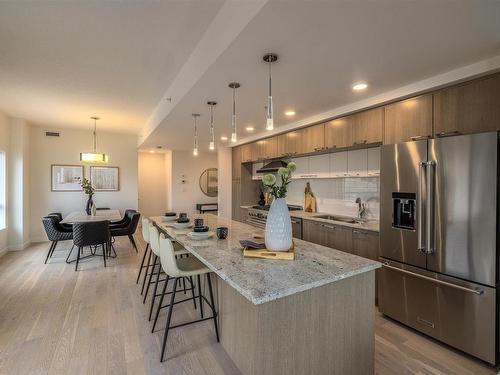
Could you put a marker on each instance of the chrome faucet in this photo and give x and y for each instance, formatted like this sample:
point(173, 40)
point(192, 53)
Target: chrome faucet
point(361, 208)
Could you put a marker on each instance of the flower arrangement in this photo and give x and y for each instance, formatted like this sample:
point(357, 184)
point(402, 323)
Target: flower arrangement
point(270, 182)
point(87, 187)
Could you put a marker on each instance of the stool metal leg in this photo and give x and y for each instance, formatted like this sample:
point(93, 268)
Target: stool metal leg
point(142, 264)
point(146, 273)
point(214, 313)
point(169, 317)
point(154, 293)
point(192, 291)
point(199, 294)
point(150, 277)
point(163, 292)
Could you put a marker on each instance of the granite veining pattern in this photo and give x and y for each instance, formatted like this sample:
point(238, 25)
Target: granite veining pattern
point(263, 280)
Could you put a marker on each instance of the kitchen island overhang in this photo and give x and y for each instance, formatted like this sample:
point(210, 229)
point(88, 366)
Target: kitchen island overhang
point(313, 315)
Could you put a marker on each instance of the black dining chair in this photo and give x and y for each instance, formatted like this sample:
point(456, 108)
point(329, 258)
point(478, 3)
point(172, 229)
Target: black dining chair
point(59, 216)
point(128, 229)
point(55, 232)
point(124, 220)
point(93, 233)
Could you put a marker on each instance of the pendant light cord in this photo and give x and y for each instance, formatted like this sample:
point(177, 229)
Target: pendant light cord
point(95, 130)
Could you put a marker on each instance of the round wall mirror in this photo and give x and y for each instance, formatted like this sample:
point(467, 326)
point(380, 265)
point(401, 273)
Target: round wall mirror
point(209, 182)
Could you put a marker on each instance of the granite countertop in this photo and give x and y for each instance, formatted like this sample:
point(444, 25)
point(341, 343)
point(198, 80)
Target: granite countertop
point(263, 280)
point(370, 225)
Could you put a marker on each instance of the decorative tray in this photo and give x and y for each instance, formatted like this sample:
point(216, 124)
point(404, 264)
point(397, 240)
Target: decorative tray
point(268, 254)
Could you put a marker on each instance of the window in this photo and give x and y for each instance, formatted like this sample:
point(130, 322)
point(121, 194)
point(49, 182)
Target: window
point(3, 172)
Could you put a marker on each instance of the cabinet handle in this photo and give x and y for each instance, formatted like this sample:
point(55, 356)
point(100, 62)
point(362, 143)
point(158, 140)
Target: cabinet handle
point(419, 137)
point(354, 231)
point(448, 134)
point(318, 148)
point(327, 226)
point(363, 142)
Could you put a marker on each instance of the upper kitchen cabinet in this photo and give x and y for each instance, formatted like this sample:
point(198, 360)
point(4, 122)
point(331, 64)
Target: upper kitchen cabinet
point(236, 162)
point(367, 126)
point(338, 164)
point(408, 120)
point(357, 163)
point(338, 133)
point(312, 139)
point(246, 152)
point(373, 161)
point(469, 108)
point(264, 149)
point(288, 144)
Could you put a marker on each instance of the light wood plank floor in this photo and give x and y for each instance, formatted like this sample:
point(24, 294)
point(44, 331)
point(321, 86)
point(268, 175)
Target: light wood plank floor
point(57, 321)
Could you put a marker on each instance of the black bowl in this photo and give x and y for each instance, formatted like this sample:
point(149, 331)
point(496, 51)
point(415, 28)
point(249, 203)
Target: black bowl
point(203, 228)
point(170, 214)
point(183, 220)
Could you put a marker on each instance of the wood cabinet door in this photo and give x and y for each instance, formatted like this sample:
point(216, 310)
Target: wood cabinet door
point(236, 162)
point(271, 147)
point(312, 231)
point(236, 200)
point(246, 153)
point(288, 143)
point(338, 133)
point(365, 244)
point(373, 161)
point(312, 139)
point(469, 108)
point(408, 120)
point(338, 164)
point(357, 163)
point(338, 237)
point(367, 126)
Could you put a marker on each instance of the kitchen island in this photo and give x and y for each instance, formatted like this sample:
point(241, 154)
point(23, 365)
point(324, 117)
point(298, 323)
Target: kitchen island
point(312, 315)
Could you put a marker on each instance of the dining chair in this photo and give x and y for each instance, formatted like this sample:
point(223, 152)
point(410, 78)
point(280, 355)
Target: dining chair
point(127, 229)
point(176, 269)
point(59, 216)
point(92, 233)
point(55, 232)
point(145, 224)
point(124, 220)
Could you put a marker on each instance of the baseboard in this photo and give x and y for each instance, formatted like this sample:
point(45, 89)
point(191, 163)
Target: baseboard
point(19, 246)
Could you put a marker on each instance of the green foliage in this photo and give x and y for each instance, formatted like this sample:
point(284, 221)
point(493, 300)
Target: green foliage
point(270, 183)
point(87, 187)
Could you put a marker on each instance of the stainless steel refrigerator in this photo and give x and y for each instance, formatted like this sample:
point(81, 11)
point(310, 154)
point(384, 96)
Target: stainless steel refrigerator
point(438, 239)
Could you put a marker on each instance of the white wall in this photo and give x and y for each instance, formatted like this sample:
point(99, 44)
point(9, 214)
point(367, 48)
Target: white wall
point(224, 163)
point(4, 146)
point(188, 168)
point(66, 149)
point(153, 181)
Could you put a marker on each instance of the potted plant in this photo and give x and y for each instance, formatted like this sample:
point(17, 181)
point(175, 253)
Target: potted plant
point(279, 225)
point(89, 190)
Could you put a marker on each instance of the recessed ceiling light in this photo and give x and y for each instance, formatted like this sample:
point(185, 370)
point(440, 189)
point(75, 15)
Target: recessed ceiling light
point(249, 128)
point(290, 113)
point(359, 86)
point(223, 138)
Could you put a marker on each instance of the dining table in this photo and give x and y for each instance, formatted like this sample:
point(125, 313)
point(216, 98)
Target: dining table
point(83, 217)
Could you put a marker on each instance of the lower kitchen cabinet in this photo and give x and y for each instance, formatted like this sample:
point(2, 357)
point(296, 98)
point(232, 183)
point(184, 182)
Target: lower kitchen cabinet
point(350, 240)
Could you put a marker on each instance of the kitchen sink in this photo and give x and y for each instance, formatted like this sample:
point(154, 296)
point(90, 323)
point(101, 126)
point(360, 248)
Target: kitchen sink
point(342, 219)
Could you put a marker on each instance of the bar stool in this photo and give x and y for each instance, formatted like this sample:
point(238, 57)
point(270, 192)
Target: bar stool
point(178, 269)
point(154, 241)
point(145, 235)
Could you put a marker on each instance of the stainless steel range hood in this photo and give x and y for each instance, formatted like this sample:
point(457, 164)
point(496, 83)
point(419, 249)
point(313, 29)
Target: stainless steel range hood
point(272, 166)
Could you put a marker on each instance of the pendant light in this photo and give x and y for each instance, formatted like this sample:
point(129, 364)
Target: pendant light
point(270, 58)
point(234, 86)
point(94, 157)
point(195, 148)
point(211, 145)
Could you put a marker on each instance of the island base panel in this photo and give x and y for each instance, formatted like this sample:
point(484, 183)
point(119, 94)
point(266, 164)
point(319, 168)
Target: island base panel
point(325, 330)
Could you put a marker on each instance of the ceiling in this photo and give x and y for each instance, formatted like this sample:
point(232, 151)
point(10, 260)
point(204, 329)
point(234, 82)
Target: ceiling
point(62, 62)
point(324, 47)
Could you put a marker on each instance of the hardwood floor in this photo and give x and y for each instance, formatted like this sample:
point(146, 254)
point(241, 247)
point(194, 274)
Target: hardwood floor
point(57, 321)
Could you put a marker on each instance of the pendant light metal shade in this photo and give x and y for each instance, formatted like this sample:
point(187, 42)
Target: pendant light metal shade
point(195, 146)
point(211, 144)
point(234, 86)
point(270, 58)
point(94, 157)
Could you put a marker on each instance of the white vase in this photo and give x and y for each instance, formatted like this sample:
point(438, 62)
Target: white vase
point(278, 227)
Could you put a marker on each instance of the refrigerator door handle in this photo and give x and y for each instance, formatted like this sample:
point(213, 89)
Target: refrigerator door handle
point(437, 281)
point(420, 209)
point(429, 210)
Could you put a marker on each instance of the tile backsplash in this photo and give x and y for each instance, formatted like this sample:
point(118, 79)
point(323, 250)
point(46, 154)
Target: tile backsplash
point(338, 195)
